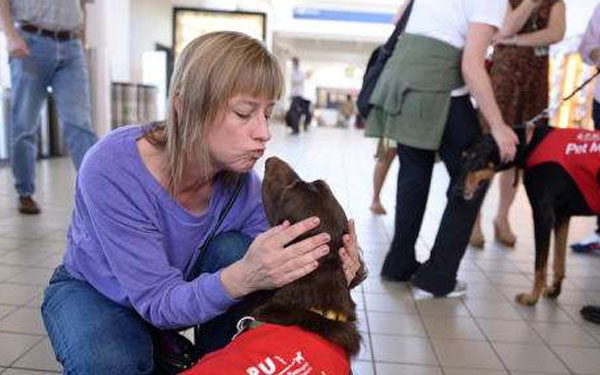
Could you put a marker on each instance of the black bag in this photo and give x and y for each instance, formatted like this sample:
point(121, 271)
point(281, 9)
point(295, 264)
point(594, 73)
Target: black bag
point(174, 353)
point(377, 62)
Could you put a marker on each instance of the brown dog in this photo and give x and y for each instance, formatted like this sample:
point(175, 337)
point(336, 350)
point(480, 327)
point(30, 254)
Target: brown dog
point(308, 326)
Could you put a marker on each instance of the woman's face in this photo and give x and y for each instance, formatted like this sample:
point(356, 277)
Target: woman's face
point(239, 139)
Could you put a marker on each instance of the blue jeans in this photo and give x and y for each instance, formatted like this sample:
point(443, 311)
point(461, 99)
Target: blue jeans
point(91, 334)
point(62, 66)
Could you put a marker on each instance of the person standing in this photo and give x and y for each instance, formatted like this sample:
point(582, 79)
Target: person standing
point(520, 81)
point(421, 102)
point(590, 53)
point(346, 110)
point(46, 50)
point(299, 103)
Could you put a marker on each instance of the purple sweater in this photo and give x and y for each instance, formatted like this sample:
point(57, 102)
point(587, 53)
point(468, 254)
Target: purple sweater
point(131, 241)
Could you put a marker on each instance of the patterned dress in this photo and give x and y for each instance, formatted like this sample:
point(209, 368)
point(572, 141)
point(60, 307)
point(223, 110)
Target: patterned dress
point(520, 74)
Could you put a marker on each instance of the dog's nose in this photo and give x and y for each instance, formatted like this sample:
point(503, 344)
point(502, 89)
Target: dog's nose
point(271, 160)
point(275, 165)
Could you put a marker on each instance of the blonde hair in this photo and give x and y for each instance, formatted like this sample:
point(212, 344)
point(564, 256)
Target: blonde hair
point(211, 70)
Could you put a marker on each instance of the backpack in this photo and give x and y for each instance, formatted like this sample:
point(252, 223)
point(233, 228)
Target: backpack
point(377, 62)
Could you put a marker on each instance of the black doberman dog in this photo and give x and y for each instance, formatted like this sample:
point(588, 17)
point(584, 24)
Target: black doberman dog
point(554, 196)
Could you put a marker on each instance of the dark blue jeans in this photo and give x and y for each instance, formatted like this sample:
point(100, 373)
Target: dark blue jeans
point(91, 334)
point(596, 118)
point(438, 274)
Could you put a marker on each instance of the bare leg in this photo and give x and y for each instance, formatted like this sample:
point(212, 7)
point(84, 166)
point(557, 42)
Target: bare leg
point(502, 230)
point(477, 239)
point(381, 169)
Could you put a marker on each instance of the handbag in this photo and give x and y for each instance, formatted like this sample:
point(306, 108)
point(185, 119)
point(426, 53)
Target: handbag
point(173, 352)
point(377, 62)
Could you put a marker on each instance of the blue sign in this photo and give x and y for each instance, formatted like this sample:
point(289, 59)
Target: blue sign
point(342, 15)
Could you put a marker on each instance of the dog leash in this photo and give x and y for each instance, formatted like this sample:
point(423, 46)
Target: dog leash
point(532, 123)
point(546, 112)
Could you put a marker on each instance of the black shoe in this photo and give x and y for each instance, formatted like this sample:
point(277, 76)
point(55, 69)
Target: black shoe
point(402, 276)
point(28, 206)
point(591, 313)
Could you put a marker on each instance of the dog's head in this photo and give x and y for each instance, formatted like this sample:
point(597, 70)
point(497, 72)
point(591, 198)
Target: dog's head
point(287, 197)
point(480, 161)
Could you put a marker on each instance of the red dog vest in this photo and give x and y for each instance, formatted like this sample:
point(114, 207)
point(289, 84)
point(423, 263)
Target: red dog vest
point(578, 152)
point(275, 350)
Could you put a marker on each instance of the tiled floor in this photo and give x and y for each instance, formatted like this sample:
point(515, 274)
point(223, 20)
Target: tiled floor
point(484, 333)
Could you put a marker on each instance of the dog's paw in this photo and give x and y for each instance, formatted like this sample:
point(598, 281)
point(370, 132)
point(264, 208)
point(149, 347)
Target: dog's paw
point(526, 299)
point(552, 292)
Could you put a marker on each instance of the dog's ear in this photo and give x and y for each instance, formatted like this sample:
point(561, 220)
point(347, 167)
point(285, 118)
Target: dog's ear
point(270, 211)
point(296, 204)
point(272, 207)
point(287, 206)
point(302, 199)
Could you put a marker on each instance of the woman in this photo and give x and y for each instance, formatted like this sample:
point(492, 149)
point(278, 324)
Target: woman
point(146, 197)
point(421, 102)
point(520, 81)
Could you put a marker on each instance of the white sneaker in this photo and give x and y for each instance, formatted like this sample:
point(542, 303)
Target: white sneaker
point(460, 289)
point(587, 244)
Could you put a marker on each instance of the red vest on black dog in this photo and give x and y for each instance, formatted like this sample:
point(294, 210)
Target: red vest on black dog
point(577, 151)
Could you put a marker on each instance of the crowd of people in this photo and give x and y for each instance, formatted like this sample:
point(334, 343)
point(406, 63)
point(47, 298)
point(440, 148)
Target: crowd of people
point(168, 229)
point(513, 91)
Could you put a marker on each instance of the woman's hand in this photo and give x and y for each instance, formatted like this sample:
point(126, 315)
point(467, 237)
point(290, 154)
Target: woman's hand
point(350, 254)
point(507, 141)
point(270, 263)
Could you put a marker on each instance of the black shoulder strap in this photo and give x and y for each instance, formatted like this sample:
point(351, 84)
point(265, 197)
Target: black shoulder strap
point(400, 26)
point(199, 254)
point(227, 208)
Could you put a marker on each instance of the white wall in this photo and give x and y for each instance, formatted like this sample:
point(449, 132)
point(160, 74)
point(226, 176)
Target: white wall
point(98, 39)
point(578, 15)
point(150, 23)
point(118, 44)
point(334, 75)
